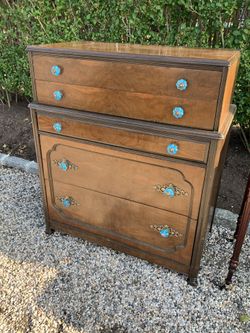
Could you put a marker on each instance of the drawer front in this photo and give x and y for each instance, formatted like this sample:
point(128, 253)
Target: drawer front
point(151, 143)
point(129, 77)
point(197, 113)
point(152, 182)
point(136, 225)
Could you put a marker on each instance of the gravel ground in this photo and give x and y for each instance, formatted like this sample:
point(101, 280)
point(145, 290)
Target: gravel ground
point(62, 284)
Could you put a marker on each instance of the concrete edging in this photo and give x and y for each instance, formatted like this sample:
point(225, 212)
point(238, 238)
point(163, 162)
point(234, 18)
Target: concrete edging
point(222, 217)
point(18, 163)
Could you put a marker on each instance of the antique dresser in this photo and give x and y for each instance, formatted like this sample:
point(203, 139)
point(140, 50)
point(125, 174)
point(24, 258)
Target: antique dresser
point(130, 140)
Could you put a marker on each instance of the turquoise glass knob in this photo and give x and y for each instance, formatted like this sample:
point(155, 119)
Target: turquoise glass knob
point(66, 202)
point(169, 191)
point(165, 232)
point(58, 95)
point(181, 84)
point(172, 149)
point(64, 165)
point(57, 127)
point(55, 70)
point(178, 112)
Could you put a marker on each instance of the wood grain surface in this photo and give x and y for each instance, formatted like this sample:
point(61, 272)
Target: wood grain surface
point(157, 80)
point(125, 221)
point(188, 149)
point(95, 48)
point(199, 113)
point(124, 175)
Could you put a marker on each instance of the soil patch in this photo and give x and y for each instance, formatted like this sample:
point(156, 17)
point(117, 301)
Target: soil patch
point(16, 138)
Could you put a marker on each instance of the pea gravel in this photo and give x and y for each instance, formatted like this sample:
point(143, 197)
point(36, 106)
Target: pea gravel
point(62, 284)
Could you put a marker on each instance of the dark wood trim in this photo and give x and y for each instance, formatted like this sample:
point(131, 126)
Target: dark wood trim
point(202, 224)
point(136, 61)
point(220, 97)
point(150, 59)
point(217, 179)
point(130, 124)
point(32, 75)
point(41, 173)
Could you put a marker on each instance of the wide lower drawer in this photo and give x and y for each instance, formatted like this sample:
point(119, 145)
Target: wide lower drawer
point(139, 226)
point(196, 113)
point(149, 181)
point(186, 149)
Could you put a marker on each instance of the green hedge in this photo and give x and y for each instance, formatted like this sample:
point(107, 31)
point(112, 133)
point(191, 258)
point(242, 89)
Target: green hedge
point(200, 23)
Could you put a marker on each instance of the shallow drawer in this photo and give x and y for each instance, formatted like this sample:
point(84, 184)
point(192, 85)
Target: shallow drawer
point(196, 113)
point(149, 181)
point(186, 149)
point(136, 225)
point(131, 77)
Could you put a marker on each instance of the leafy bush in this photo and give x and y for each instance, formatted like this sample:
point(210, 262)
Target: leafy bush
point(193, 23)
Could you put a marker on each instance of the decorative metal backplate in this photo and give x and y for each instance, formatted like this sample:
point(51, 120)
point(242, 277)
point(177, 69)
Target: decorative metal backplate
point(165, 231)
point(170, 190)
point(67, 201)
point(65, 165)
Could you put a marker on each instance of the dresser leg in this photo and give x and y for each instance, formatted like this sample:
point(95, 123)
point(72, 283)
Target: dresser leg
point(192, 281)
point(241, 230)
point(49, 230)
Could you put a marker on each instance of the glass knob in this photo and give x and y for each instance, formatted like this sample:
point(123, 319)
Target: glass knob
point(181, 84)
point(57, 127)
point(66, 202)
point(178, 112)
point(165, 232)
point(172, 149)
point(64, 165)
point(55, 70)
point(169, 191)
point(58, 95)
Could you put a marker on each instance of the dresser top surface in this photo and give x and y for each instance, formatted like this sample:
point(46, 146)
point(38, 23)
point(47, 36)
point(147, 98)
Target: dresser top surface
point(220, 57)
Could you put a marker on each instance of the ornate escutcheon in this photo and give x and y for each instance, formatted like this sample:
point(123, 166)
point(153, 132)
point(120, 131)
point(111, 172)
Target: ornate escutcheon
point(65, 165)
point(170, 190)
point(57, 127)
point(178, 112)
point(67, 201)
point(55, 70)
point(172, 149)
point(165, 231)
point(58, 95)
point(181, 84)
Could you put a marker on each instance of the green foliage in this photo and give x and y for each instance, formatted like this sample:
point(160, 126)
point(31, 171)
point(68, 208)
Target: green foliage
point(192, 23)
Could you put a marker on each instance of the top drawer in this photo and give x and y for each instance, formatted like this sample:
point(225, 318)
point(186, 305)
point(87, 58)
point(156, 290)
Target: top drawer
point(179, 96)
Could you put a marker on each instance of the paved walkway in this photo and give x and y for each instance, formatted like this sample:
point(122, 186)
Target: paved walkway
point(62, 284)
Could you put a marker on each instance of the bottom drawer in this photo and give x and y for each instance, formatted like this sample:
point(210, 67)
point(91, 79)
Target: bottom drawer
point(136, 225)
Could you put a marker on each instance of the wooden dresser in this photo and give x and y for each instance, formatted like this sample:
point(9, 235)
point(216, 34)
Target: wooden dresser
point(130, 141)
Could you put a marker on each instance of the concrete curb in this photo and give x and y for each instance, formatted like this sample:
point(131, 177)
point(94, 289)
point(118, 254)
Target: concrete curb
point(19, 163)
point(222, 217)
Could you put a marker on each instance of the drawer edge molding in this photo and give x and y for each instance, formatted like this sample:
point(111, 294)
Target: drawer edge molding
point(120, 122)
point(111, 56)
